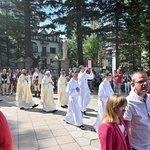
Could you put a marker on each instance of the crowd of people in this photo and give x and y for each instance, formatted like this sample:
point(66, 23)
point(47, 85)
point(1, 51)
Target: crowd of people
point(120, 81)
point(9, 78)
point(122, 123)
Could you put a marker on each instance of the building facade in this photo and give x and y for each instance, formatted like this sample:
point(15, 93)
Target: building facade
point(45, 47)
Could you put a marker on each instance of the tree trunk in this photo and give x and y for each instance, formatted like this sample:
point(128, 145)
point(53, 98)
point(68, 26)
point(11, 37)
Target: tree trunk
point(79, 44)
point(27, 28)
point(116, 36)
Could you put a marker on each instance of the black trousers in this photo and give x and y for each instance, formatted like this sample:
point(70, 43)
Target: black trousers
point(133, 149)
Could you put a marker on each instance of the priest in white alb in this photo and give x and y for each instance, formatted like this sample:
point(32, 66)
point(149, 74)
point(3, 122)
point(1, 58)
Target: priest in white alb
point(47, 93)
point(23, 93)
point(63, 97)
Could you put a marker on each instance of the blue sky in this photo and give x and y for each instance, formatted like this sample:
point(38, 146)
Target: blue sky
point(47, 21)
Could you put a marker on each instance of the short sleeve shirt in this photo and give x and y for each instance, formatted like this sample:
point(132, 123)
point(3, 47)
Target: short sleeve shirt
point(118, 77)
point(138, 112)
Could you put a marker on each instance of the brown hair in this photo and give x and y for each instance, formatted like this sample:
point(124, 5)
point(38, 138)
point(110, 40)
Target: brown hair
point(80, 67)
point(107, 74)
point(62, 72)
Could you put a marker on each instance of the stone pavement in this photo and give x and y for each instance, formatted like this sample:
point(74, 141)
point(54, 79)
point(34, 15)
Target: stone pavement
point(32, 129)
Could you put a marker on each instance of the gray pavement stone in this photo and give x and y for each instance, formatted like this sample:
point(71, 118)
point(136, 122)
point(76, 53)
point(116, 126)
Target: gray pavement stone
point(89, 148)
point(25, 145)
point(72, 146)
point(90, 135)
point(83, 141)
point(33, 129)
point(16, 142)
point(95, 143)
point(60, 132)
point(52, 148)
point(65, 139)
point(76, 134)
point(46, 143)
point(44, 134)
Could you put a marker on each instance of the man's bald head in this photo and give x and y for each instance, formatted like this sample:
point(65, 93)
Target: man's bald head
point(136, 74)
point(47, 73)
point(23, 71)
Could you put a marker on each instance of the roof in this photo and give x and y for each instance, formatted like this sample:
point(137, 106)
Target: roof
point(21, 59)
point(28, 59)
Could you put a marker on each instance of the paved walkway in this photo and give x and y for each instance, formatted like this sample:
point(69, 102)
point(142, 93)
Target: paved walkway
point(32, 129)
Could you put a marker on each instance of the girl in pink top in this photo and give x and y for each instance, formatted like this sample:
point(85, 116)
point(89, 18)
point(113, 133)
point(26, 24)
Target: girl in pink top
point(112, 131)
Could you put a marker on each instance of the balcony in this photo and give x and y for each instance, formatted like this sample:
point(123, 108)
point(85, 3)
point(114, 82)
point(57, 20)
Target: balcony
point(44, 43)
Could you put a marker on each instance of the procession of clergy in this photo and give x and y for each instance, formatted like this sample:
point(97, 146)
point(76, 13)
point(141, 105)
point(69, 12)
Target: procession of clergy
point(73, 94)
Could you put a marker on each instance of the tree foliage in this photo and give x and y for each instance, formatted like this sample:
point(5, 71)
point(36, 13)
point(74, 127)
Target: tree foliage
point(91, 48)
point(20, 21)
point(123, 24)
point(75, 15)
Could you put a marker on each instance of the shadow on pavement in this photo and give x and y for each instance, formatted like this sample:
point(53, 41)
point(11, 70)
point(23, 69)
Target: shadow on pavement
point(7, 101)
point(89, 128)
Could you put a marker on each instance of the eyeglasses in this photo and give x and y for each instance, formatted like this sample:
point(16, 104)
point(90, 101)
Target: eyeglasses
point(122, 108)
point(142, 81)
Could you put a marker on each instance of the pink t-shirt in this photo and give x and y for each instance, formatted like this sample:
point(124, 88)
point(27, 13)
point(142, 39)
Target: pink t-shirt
point(118, 77)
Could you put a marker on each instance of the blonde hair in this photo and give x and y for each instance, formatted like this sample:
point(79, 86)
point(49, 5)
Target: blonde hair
point(114, 101)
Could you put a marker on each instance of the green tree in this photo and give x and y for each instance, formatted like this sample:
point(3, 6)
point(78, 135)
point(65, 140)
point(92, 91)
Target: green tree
point(91, 48)
point(145, 24)
point(19, 22)
point(131, 47)
point(72, 52)
point(6, 31)
point(123, 25)
point(76, 15)
point(112, 23)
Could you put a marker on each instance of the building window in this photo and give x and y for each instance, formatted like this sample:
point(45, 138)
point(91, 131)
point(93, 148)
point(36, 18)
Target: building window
point(54, 38)
point(52, 50)
point(34, 47)
point(43, 51)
